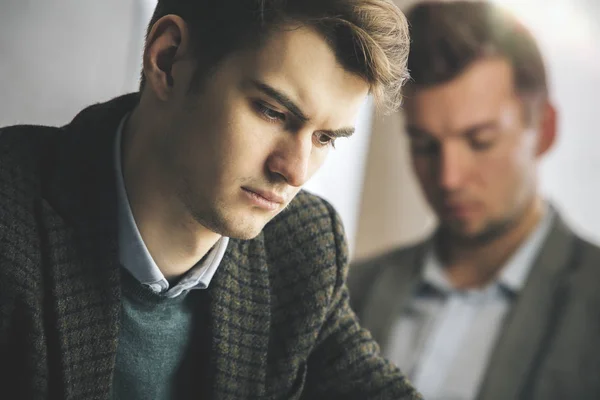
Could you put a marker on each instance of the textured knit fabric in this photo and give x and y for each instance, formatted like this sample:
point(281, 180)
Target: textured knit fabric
point(280, 325)
point(153, 342)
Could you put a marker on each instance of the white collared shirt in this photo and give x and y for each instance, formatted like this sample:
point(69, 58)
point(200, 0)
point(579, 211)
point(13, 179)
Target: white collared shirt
point(135, 257)
point(444, 337)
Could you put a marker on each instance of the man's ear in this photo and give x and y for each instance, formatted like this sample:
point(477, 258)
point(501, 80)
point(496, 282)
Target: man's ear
point(167, 44)
point(547, 129)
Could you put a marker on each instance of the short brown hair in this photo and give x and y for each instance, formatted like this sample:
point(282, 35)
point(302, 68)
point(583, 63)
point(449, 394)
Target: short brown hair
point(369, 37)
point(447, 36)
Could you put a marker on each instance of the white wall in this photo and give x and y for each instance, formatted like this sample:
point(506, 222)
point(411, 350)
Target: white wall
point(58, 56)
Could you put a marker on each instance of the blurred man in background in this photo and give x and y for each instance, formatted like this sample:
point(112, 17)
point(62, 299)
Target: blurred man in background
point(503, 301)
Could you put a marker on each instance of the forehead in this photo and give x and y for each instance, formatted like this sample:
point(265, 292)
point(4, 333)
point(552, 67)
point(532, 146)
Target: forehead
point(298, 61)
point(482, 93)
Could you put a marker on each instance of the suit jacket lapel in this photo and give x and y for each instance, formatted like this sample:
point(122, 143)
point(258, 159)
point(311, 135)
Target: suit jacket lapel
point(391, 290)
point(80, 244)
point(527, 325)
point(241, 319)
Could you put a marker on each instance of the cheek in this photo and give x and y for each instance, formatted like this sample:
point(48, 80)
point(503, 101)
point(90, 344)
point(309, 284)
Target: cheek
point(422, 168)
point(317, 159)
point(520, 159)
point(507, 175)
point(496, 172)
point(244, 145)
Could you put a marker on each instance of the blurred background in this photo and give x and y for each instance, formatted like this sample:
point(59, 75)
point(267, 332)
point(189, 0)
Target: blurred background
point(60, 56)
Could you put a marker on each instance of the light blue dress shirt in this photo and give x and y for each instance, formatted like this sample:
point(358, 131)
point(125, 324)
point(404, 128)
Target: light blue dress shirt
point(444, 338)
point(135, 257)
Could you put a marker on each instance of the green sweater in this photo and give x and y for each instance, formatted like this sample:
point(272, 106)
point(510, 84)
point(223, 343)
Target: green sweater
point(154, 344)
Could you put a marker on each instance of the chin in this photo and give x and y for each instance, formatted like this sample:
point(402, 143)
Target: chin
point(464, 229)
point(242, 229)
point(244, 235)
point(240, 224)
point(476, 233)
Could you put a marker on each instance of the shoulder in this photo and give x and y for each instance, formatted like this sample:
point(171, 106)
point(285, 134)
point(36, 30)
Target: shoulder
point(306, 250)
point(365, 270)
point(588, 248)
point(309, 224)
point(582, 254)
point(24, 135)
point(364, 273)
point(307, 208)
point(391, 256)
point(21, 150)
point(21, 147)
point(585, 267)
point(575, 303)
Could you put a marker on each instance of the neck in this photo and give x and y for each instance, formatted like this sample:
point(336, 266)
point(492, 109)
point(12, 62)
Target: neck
point(475, 264)
point(175, 240)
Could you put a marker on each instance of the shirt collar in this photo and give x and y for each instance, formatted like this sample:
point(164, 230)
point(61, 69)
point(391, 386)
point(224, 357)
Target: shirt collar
point(514, 273)
point(134, 255)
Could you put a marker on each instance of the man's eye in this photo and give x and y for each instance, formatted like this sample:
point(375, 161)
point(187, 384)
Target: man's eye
point(481, 146)
point(269, 114)
point(482, 143)
point(424, 146)
point(324, 140)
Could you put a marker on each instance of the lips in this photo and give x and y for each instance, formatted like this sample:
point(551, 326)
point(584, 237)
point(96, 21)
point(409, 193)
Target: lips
point(458, 210)
point(264, 199)
point(269, 196)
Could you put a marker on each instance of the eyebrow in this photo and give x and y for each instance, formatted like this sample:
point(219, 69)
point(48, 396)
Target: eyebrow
point(281, 98)
point(284, 100)
point(415, 131)
point(342, 132)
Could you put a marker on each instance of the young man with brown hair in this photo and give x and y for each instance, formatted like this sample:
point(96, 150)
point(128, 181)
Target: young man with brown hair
point(159, 245)
point(502, 301)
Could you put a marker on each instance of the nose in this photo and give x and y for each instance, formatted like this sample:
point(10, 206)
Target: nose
point(291, 159)
point(452, 166)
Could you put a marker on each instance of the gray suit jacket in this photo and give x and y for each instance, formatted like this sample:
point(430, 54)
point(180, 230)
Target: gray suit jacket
point(549, 347)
